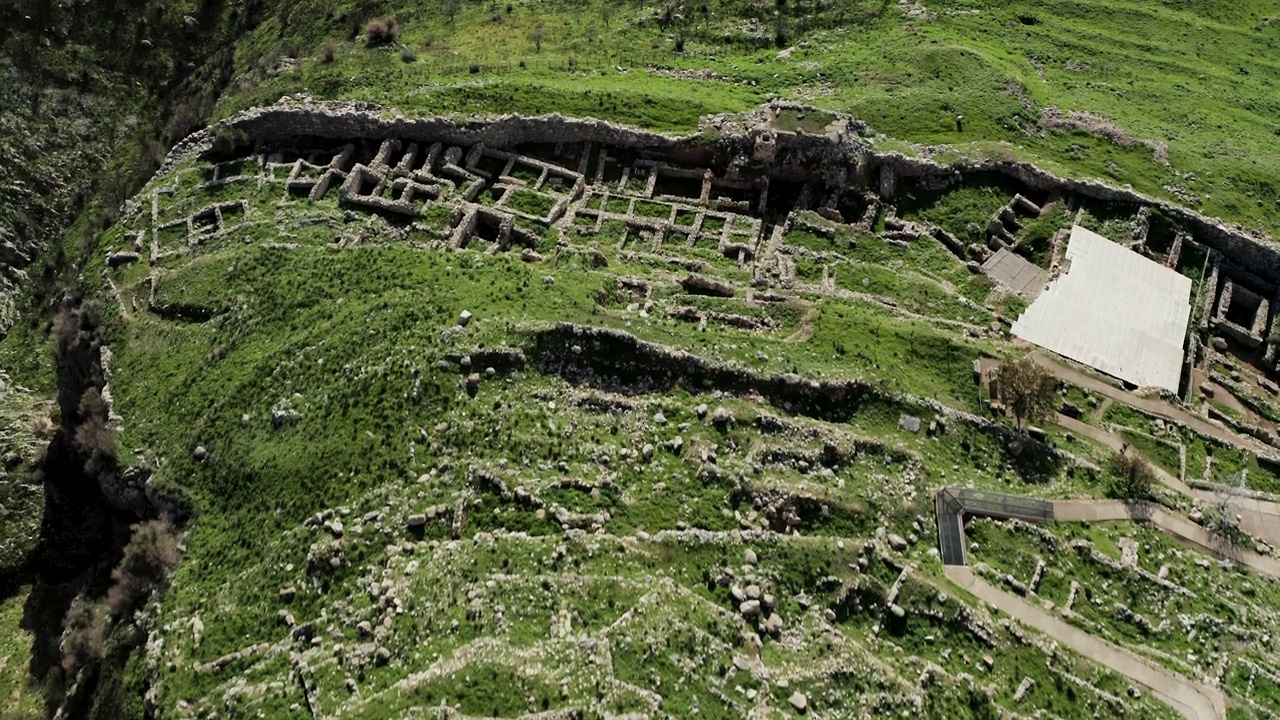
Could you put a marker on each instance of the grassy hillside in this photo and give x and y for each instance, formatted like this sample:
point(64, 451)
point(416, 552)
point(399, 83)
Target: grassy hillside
point(565, 505)
point(1174, 95)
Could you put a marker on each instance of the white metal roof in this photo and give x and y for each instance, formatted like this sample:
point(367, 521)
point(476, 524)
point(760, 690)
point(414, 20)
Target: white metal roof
point(1113, 310)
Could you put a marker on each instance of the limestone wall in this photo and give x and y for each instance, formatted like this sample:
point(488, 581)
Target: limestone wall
point(841, 152)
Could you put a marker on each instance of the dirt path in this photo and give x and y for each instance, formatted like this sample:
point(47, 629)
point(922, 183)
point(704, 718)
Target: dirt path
point(1260, 518)
point(1190, 699)
point(1158, 408)
point(1172, 524)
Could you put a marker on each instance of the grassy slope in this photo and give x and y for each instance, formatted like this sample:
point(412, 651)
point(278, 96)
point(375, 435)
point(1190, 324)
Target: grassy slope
point(1197, 76)
point(350, 339)
point(343, 336)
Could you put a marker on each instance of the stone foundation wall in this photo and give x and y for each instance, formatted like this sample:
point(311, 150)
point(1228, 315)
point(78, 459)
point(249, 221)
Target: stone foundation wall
point(731, 138)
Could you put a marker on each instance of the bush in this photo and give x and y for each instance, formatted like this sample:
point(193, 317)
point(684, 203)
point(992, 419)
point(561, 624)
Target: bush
point(149, 558)
point(228, 140)
point(84, 635)
point(380, 31)
point(408, 55)
point(1133, 476)
point(1027, 389)
point(94, 436)
point(327, 51)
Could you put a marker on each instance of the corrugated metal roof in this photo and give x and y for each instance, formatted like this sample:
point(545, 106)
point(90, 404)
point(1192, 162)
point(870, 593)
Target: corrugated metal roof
point(1113, 310)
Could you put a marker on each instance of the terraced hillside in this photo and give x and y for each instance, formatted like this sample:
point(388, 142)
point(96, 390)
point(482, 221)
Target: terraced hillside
point(413, 410)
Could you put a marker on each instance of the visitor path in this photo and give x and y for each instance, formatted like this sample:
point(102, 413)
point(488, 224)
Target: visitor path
point(1257, 516)
point(1189, 697)
point(1152, 406)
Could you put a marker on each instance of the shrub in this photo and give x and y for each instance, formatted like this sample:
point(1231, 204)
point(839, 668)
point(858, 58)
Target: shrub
point(149, 558)
point(408, 55)
point(1027, 389)
point(228, 140)
point(1134, 477)
point(380, 31)
point(328, 50)
point(84, 634)
point(94, 437)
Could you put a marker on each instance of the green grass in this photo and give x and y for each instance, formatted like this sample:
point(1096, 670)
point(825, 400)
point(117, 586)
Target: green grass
point(347, 343)
point(19, 697)
point(1217, 592)
point(908, 78)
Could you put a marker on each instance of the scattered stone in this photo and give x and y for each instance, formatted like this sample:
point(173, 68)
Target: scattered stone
point(897, 542)
point(753, 592)
point(417, 520)
point(464, 318)
point(799, 701)
point(382, 656)
point(200, 453)
point(703, 285)
point(773, 624)
point(721, 416)
point(288, 593)
point(659, 418)
point(910, 423)
point(750, 557)
point(1023, 689)
point(749, 608)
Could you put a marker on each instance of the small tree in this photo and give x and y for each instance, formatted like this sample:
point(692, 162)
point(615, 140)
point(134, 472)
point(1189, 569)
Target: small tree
point(536, 38)
point(1134, 477)
point(381, 31)
point(1220, 517)
point(1028, 390)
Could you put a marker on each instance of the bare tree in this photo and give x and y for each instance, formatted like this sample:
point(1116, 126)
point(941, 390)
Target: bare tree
point(1220, 518)
point(1027, 389)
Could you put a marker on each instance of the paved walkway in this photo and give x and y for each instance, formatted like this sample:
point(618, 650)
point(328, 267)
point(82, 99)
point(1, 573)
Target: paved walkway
point(1260, 518)
point(1152, 406)
point(1191, 699)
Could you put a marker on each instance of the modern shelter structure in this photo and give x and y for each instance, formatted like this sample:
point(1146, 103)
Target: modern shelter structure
point(1113, 310)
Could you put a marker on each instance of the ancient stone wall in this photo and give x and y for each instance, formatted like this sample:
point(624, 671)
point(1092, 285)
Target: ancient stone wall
point(732, 137)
